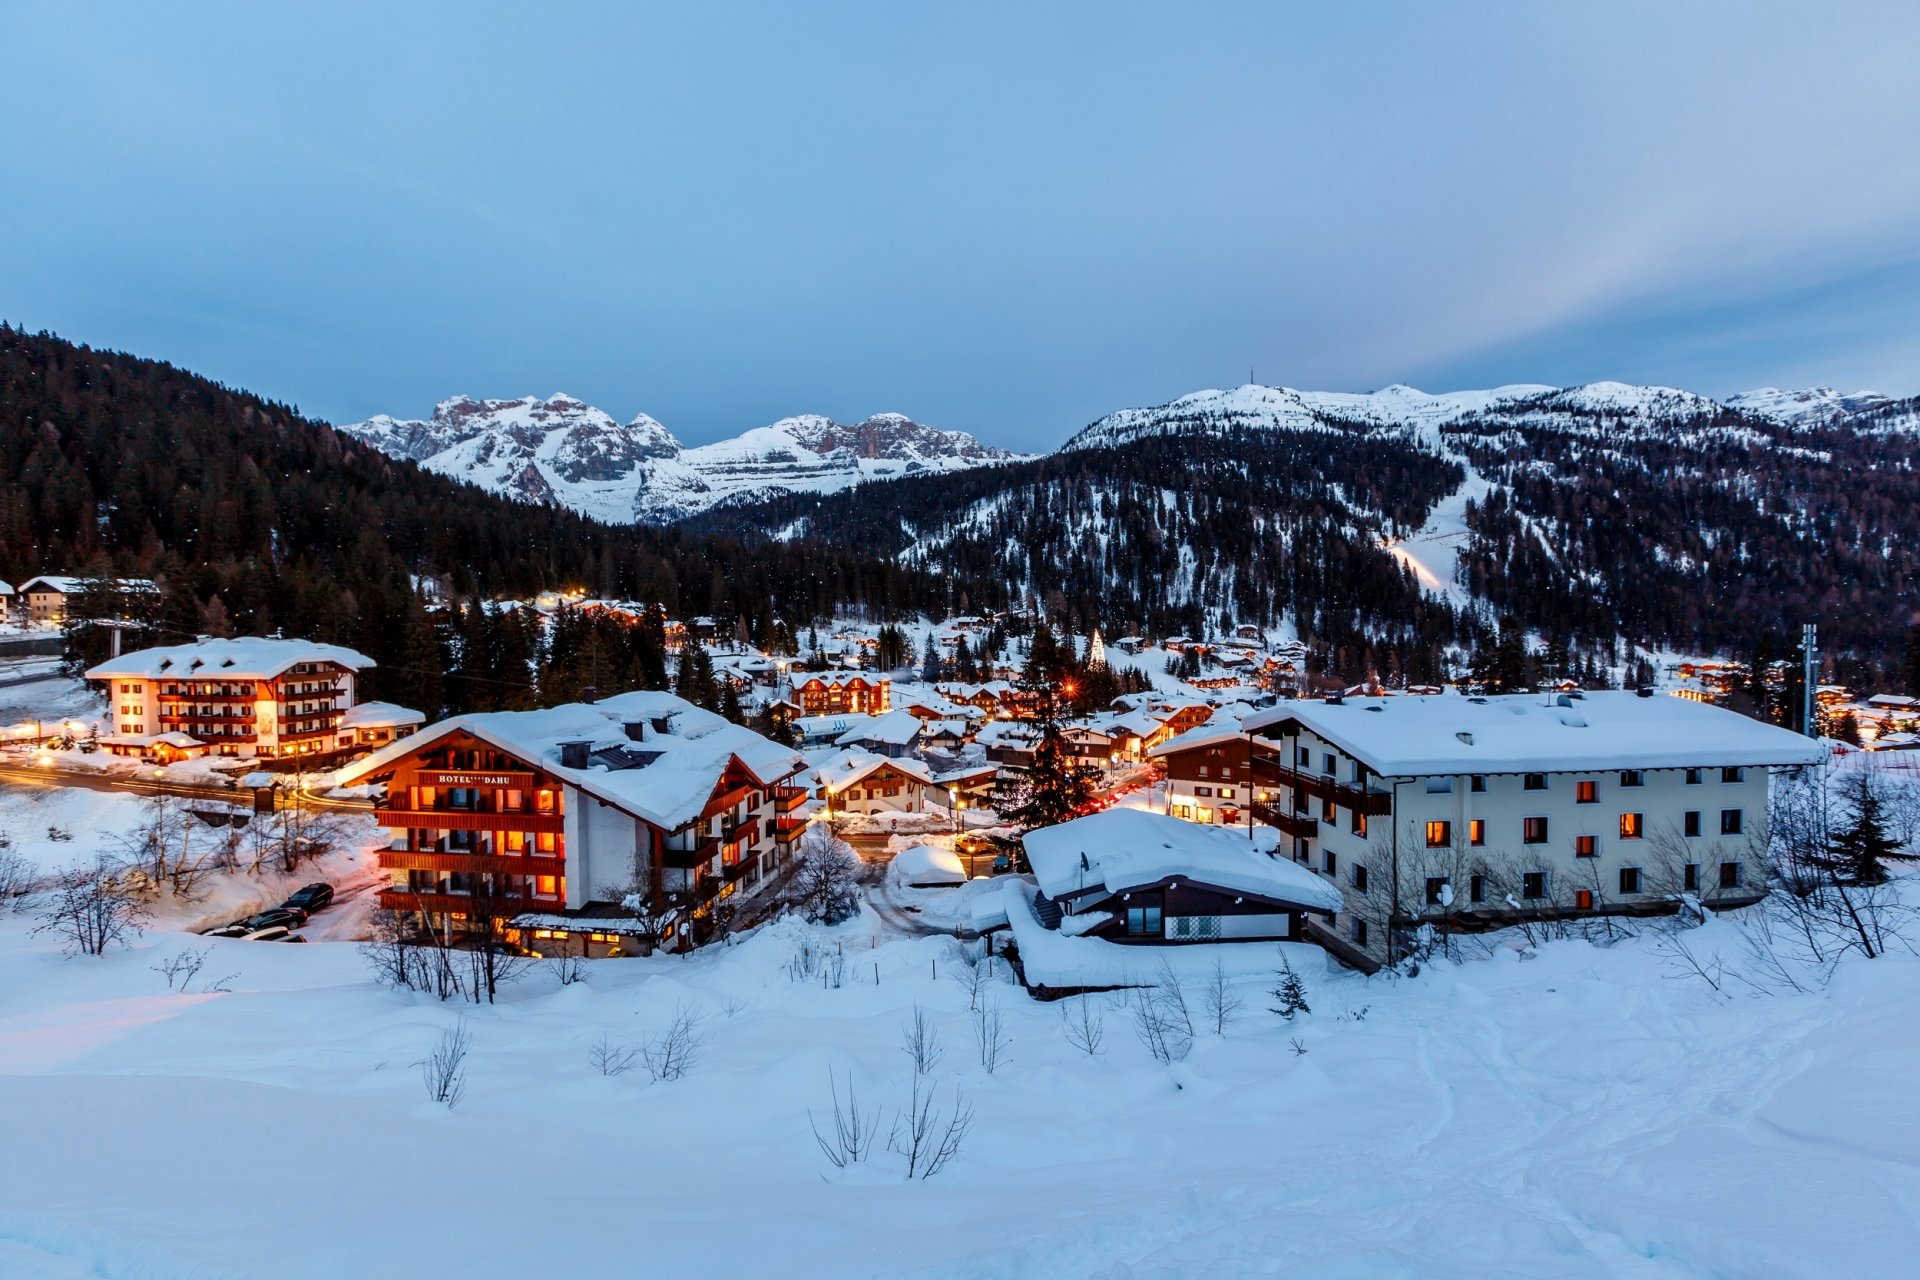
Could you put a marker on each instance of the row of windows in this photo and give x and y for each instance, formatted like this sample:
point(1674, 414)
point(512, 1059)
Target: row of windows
point(1633, 826)
point(1535, 885)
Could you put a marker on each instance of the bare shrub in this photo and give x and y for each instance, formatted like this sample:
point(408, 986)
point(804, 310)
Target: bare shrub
point(921, 1042)
point(672, 1053)
point(570, 968)
point(610, 1058)
point(990, 1034)
point(1160, 1019)
point(17, 875)
point(1219, 999)
point(444, 1069)
point(182, 967)
point(853, 1129)
point(1083, 1026)
point(90, 912)
point(974, 973)
point(926, 1136)
point(1297, 1045)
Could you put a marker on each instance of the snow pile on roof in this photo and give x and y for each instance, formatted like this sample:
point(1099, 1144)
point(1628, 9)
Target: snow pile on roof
point(665, 776)
point(843, 769)
point(1530, 732)
point(240, 658)
point(925, 867)
point(894, 729)
point(380, 715)
point(1121, 849)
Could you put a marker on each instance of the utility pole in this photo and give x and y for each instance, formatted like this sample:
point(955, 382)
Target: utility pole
point(1809, 656)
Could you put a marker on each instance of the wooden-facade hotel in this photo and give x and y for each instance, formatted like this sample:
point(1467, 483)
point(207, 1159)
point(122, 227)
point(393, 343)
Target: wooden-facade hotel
point(549, 821)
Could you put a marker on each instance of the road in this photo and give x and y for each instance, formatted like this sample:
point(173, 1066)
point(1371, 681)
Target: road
point(15, 773)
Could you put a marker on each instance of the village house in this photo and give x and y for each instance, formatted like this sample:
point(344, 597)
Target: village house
point(619, 824)
point(1475, 811)
point(1209, 773)
point(375, 724)
point(821, 693)
point(1132, 876)
point(892, 735)
point(862, 784)
point(47, 596)
point(247, 696)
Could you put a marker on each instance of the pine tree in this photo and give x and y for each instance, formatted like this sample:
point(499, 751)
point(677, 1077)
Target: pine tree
point(930, 661)
point(1289, 991)
point(1857, 851)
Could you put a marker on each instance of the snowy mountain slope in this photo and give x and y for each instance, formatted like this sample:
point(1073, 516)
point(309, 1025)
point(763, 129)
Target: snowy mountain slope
point(562, 450)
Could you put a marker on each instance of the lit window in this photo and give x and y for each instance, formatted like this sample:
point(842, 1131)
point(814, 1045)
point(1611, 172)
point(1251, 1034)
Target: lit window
point(1477, 831)
point(1533, 830)
point(1586, 791)
point(1632, 826)
point(1439, 834)
point(1586, 846)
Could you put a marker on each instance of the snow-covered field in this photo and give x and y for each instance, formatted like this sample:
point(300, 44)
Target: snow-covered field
point(1574, 1111)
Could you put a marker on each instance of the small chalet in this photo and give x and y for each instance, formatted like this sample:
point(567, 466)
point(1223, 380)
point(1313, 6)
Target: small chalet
point(1128, 875)
point(862, 784)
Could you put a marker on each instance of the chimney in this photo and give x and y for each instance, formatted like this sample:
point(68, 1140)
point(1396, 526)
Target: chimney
point(573, 755)
point(663, 724)
point(1645, 691)
point(636, 730)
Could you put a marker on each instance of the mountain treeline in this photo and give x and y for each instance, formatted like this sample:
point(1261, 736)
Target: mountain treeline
point(1173, 535)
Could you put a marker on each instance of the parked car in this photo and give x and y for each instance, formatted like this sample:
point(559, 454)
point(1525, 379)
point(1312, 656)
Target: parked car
point(274, 933)
point(230, 931)
point(1002, 864)
point(291, 917)
point(310, 898)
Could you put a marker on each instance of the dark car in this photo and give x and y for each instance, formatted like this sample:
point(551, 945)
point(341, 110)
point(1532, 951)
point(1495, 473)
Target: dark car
point(230, 931)
point(311, 898)
point(1002, 864)
point(290, 917)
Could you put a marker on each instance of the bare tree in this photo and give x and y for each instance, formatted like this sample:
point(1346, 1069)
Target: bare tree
point(921, 1042)
point(90, 912)
point(491, 961)
point(672, 1053)
point(1220, 999)
point(853, 1129)
point(990, 1034)
point(825, 878)
point(1085, 1028)
point(609, 1058)
point(444, 1069)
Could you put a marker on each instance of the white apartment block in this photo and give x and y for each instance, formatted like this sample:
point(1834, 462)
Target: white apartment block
point(1479, 811)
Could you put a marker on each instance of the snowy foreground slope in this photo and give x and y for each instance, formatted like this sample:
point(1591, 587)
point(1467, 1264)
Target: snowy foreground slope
point(1570, 1112)
point(564, 451)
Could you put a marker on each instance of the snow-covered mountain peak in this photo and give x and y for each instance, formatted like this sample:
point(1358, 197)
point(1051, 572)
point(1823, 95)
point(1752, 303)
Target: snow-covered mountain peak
point(1807, 406)
point(563, 450)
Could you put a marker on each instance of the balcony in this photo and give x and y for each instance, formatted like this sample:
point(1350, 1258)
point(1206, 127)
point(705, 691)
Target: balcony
point(391, 815)
point(1324, 787)
point(1293, 824)
point(788, 829)
point(461, 904)
point(787, 799)
point(504, 864)
point(701, 853)
point(735, 871)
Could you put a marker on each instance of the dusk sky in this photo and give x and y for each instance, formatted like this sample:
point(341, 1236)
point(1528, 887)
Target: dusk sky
point(1005, 219)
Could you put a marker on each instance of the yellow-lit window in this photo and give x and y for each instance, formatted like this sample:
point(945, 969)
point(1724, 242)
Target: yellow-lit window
point(516, 841)
point(543, 800)
point(1439, 835)
point(1632, 825)
point(549, 842)
point(548, 886)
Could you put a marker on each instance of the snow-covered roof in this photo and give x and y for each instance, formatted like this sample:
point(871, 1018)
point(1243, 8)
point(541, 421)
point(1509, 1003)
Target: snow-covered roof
point(1122, 849)
point(67, 585)
point(1013, 733)
point(1534, 733)
point(239, 658)
point(380, 715)
point(172, 738)
point(895, 728)
point(662, 778)
point(1217, 730)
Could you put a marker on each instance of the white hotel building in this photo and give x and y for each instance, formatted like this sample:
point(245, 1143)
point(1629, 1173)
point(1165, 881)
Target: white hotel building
point(1478, 811)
